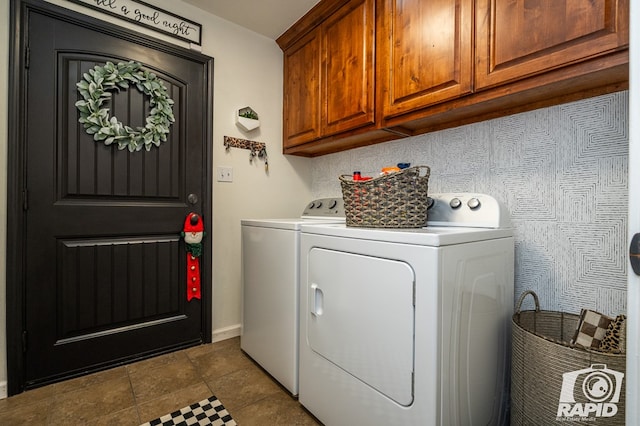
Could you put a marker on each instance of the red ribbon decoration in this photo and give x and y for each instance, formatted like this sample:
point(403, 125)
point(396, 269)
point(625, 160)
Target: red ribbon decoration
point(193, 233)
point(193, 277)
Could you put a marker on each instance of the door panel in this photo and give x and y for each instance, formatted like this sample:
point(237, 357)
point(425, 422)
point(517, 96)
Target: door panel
point(348, 67)
point(517, 39)
point(361, 318)
point(105, 267)
point(424, 53)
point(302, 91)
point(94, 171)
point(118, 293)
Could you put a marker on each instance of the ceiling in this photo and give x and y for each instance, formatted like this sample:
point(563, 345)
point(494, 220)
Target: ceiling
point(270, 18)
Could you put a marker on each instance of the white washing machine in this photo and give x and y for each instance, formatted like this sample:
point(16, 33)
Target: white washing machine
point(409, 326)
point(270, 275)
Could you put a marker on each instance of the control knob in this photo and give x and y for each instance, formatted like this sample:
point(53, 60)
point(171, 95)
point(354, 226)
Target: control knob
point(430, 202)
point(473, 203)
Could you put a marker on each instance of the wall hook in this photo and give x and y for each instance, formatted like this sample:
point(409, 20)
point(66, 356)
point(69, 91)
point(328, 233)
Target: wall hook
point(256, 149)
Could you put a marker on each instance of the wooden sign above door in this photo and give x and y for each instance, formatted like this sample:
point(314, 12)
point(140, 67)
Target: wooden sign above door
point(148, 16)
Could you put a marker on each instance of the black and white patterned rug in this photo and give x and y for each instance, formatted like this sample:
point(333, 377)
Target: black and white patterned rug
point(204, 413)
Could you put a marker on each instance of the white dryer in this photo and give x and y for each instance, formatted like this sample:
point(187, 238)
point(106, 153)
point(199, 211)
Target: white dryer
point(409, 326)
point(270, 276)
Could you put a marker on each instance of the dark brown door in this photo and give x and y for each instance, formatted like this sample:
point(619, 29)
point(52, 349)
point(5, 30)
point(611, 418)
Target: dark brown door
point(104, 265)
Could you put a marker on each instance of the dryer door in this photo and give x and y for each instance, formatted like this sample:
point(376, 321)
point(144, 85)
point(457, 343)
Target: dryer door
point(362, 318)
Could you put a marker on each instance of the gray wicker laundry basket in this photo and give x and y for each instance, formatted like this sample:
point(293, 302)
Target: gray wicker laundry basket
point(396, 200)
point(553, 382)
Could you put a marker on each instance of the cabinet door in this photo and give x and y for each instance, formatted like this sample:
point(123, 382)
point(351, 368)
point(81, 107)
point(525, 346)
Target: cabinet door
point(424, 53)
point(348, 67)
point(519, 38)
point(302, 91)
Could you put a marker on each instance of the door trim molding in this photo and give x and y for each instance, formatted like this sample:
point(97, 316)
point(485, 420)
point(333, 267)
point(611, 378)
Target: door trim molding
point(16, 168)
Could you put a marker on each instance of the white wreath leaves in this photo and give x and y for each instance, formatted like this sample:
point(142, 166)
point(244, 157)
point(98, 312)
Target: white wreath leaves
point(95, 88)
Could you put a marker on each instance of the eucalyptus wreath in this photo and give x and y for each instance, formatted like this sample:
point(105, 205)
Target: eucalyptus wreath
point(96, 87)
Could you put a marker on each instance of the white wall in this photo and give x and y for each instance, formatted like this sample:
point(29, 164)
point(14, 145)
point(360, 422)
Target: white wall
point(247, 72)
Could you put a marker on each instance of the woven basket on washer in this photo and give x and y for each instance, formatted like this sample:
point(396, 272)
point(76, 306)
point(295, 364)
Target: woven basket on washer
point(541, 354)
point(396, 200)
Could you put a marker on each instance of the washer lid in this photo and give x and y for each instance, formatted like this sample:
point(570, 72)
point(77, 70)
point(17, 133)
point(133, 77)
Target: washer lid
point(290, 224)
point(322, 210)
point(434, 236)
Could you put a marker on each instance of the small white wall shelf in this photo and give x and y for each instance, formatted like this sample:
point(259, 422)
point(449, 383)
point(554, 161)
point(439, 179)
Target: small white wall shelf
point(247, 119)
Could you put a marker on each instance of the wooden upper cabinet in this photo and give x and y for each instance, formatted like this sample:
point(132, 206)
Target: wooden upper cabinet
point(329, 75)
point(358, 72)
point(302, 101)
point(348, 67)
point(520, 38)
point(424, 53)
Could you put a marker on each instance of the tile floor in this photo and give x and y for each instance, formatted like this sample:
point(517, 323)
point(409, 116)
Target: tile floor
point(145, 390)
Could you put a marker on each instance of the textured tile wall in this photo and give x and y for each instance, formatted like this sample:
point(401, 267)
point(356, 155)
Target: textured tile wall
point(561, 172)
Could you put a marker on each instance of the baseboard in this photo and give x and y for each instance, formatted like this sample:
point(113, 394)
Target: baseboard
point(226, 333)
point(3, 390)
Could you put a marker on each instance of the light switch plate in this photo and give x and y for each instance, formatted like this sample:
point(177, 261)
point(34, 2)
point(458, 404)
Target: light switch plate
point(225, 174)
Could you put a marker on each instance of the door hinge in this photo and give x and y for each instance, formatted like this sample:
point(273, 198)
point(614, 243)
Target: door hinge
point(27, 56)
point(24, 341)
point(25, 199)
point(634, 254)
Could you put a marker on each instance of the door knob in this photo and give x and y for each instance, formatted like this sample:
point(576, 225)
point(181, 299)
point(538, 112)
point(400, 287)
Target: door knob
point(192, 199)
point(634, 253)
